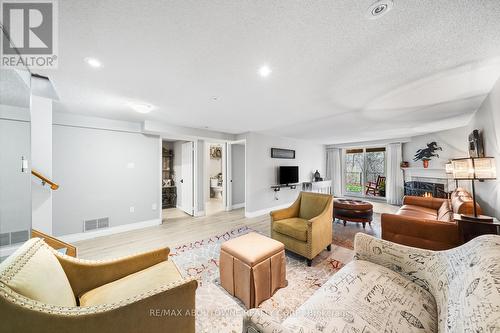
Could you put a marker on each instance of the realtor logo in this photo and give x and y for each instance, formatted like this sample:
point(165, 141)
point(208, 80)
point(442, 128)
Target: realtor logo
point(29, 33)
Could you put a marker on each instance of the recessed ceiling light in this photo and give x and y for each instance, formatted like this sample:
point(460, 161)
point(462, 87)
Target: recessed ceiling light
point(265, 71)
point(93, 62)
point(379, 9)
point(141, 107)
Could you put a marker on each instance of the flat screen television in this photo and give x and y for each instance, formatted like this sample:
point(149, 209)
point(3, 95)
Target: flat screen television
point(288, 175)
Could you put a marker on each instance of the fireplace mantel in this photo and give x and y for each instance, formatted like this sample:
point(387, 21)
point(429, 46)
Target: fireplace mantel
point(414, 172)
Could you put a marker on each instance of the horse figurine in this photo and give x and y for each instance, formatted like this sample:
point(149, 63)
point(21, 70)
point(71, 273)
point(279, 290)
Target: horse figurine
point(427, 153)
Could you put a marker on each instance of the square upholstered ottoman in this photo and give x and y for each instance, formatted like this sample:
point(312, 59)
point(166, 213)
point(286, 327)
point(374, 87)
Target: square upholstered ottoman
point(252, 268)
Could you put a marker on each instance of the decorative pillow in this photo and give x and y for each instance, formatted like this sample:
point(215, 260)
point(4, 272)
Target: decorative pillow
point(445, 212)
point(34, 272)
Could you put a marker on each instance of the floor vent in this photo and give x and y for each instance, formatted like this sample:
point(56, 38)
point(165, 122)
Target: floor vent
point(95, 224)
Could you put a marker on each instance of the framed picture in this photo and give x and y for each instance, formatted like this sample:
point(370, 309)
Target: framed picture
point(282, 153)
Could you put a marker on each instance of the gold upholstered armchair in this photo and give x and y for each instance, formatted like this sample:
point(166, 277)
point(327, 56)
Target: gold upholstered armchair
point(305, 227)
point(42, 290)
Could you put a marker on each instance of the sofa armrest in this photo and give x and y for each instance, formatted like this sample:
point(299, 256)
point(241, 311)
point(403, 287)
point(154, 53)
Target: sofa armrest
point(286, 213)
point(432, 203)
point(256, 321)
point(85, 275)
point(172, 306)
point(428, 234)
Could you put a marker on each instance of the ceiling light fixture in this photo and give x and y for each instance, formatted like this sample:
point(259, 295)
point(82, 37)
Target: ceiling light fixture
point(93, 62)
point(141, 107)
point(379, 9)
point(265, 71)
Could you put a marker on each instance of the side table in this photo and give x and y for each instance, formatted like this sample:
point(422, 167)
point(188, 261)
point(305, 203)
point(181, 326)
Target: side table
point(471, 229)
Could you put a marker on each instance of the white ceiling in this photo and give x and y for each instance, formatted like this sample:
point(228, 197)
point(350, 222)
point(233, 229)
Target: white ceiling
point(336, 76)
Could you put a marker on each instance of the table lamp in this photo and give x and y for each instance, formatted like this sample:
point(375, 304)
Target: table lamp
point(474, 168)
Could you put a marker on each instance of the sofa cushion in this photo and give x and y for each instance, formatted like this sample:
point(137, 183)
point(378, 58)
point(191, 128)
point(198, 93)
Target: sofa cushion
point(445, 213)
point(416, 214)
point(420, 209)
point(34, 272)
point(366, 297)
point(312, 204)
point(132, 285)
point(293, 227)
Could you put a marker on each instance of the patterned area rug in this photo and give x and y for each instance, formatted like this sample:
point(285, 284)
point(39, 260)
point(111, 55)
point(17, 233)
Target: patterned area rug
point(218, 311)
point(344, 235)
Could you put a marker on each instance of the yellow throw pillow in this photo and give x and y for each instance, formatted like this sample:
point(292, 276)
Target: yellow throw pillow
point(34, 272)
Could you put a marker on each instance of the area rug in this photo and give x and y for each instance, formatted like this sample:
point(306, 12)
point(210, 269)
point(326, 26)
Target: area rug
point(344, 235)
point(218, 311)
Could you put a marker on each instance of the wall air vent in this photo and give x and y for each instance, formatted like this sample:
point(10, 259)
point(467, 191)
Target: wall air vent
point(379, 9)
point(103, 223)
point(5, 239)
point(95, 224)
point(19, 236)
point(15, 237)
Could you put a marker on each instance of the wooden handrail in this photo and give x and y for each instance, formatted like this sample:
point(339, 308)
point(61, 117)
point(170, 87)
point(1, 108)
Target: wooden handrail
point(55, 243)
point(45, 180)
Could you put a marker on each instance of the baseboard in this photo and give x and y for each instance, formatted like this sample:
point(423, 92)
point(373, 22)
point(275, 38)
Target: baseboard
point(108, 231)
point(267, 210)
point(199, 213)
point(238, 206)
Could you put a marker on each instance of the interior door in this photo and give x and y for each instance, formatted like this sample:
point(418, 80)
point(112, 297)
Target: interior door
point(187, 174)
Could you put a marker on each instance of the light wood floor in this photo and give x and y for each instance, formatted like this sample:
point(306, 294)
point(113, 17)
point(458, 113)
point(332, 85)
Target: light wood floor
point(173, 232)
point(180, 229)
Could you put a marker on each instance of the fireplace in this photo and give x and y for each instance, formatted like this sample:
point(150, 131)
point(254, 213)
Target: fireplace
point(420, 188)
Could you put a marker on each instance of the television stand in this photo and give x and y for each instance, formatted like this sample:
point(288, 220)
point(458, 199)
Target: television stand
point(277, 188)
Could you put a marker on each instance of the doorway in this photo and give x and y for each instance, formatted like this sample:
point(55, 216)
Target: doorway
point(365, 172)
point(177, 179)
point(215, 155)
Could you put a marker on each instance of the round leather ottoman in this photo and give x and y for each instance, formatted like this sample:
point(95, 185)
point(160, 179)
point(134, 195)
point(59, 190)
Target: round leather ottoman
point(353, 211)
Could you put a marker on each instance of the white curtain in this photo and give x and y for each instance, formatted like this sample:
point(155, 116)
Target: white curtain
point(394, 182)
point(334, 170)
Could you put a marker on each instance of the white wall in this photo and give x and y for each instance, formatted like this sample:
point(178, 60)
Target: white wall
point(262, 169)
point(238, 174)
point(453, 142)
point(487, 120)
point(102, 173)
point(41, 161)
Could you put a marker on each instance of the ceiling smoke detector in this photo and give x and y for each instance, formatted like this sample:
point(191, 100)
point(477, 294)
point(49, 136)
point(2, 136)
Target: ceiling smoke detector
point(379, 9)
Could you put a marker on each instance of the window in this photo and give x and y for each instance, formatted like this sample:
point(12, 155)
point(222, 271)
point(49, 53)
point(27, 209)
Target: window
point(364, 172)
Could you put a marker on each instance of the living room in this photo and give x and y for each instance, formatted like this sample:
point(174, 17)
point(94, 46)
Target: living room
point(250, 166)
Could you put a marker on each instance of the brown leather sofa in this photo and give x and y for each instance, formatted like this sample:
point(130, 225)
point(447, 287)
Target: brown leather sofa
point(428, 223)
